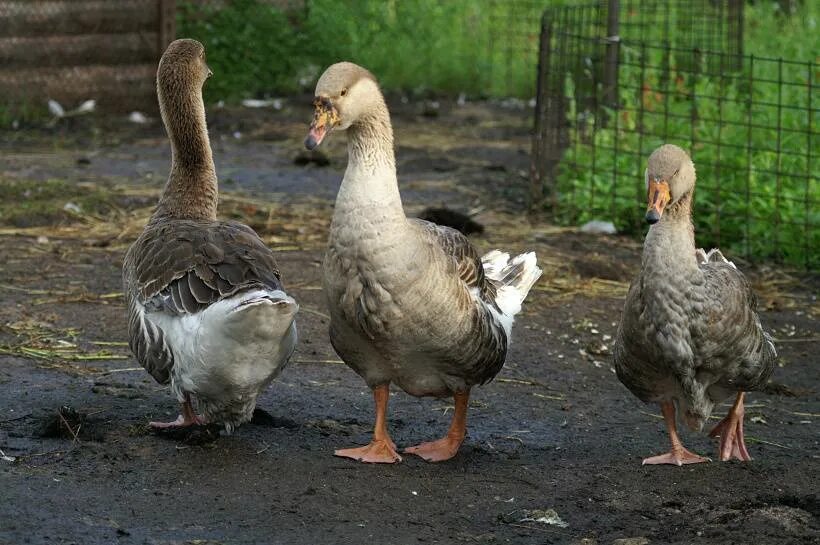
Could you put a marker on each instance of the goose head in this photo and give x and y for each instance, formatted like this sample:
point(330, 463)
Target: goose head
point(345, 93)
point(182, 68)
point(669, 176)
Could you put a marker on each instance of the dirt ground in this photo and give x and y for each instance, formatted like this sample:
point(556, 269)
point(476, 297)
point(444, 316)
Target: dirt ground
point(554, 443)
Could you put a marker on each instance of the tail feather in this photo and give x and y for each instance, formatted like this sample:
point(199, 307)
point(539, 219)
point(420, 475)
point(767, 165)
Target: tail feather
point(514, 278)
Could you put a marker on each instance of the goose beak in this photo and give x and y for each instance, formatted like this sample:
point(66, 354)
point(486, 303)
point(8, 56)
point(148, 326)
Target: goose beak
point(658, 196)
point(325, 117)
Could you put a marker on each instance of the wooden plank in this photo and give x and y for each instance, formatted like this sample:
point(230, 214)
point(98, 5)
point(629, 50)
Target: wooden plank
point(79, 50)
point(116, 88)
point(54, 17)
point(167, 24)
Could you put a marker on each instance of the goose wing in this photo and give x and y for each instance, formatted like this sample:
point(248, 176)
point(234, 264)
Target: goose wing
point(729, 335)
point(181, 267)
point(481, 356)
point(465, 258)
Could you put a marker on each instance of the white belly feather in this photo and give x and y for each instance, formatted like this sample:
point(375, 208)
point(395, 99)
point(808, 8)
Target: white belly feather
point(227, 353)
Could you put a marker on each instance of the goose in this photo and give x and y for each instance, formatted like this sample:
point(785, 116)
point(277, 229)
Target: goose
point(207, 311)
point(411, 303)
point(690, 336)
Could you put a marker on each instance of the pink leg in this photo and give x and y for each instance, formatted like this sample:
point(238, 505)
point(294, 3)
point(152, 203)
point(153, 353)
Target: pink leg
point(730, 430)
point(187, 418)
point(678, 455)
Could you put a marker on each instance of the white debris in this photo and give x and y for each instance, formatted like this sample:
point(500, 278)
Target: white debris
point(599, 227)
point(462, 99)
point(237, 135)
point(545, 516)
point(72, 207)
point(276, 103)
point(85, 108)
point(138, 118)
point(6, 458)
point(55, 108)
point(42, 239)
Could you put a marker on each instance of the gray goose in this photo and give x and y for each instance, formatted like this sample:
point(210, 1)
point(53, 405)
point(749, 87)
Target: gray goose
point(207, 310)
point(690, 335)
point(411, 302)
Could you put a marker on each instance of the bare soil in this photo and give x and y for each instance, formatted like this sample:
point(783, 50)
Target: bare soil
point(554, 443)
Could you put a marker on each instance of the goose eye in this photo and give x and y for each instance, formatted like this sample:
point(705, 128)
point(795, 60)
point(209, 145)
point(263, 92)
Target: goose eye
point(344, 92)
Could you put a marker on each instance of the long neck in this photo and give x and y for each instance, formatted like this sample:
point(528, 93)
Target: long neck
point(191, 191)
point(669, 249)
point(370, 179)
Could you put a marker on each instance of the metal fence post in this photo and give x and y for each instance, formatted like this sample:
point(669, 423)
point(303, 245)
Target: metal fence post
point(610, 94)
point(537, 167)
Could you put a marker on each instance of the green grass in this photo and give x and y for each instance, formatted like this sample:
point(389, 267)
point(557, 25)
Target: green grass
point(757, 193)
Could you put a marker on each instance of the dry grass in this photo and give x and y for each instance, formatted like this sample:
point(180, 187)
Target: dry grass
point(57, 348)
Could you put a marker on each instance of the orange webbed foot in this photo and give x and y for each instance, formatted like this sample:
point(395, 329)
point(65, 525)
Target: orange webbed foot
point(382, 451)
point(436, 451)
point(676, 457)
point(732, 445)
point(180, 422)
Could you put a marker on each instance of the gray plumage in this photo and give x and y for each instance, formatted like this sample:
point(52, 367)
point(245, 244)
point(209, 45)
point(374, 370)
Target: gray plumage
point(690, 330)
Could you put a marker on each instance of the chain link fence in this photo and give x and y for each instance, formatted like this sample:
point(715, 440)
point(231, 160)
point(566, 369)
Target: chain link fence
point(612, 91)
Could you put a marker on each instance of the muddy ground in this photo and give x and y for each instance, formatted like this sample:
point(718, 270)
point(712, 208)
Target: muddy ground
point(555, 437)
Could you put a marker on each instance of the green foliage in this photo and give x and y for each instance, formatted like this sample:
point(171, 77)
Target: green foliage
point(251, 47)
point(748, 135)
point(415, 45)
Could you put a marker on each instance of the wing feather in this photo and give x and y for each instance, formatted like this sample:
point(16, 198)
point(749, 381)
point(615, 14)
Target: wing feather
point(180, 267)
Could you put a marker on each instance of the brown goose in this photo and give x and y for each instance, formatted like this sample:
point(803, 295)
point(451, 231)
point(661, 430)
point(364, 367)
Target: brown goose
point(411, 302)
point(207, 310)
point(690, 334)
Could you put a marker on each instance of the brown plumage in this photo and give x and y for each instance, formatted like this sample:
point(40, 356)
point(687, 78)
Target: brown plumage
point(207, 310)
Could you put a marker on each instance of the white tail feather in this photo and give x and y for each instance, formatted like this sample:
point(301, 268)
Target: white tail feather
point(516, 276)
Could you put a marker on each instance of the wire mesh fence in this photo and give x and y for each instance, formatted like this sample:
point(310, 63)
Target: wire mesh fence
point(749, 123)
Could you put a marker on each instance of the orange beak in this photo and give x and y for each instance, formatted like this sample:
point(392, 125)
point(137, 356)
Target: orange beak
point(658, 197)
point(325, 117)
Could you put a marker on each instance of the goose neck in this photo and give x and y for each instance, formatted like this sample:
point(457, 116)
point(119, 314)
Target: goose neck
point(370, 179)
point(191, 191)
point(669, 248)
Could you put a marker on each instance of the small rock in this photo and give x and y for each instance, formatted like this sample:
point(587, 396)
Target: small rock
point(452, 218)
point(315, 157)
point(42, 239)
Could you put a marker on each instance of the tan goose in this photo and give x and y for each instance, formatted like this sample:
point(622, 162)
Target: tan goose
point(411, 302)
point(207, 310)
point(690, 334)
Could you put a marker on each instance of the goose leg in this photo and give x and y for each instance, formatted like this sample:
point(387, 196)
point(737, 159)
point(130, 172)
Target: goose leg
point(382, 449)
point(730, 430)
point(678, 455)
point(446, 447)
point(187, 418)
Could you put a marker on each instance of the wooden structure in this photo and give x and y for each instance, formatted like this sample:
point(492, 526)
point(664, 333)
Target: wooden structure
point(74, 50)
